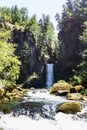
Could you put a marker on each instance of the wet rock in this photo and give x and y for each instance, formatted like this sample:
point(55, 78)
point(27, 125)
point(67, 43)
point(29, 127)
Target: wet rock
point(74, 96)
point(34, 82)
point(77, 88)
point(61, 88)
point(84, 98)
point(69, 107)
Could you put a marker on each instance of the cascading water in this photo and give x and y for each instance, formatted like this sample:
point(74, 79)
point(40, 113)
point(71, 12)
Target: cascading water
point(37, 110)
point(49, 75)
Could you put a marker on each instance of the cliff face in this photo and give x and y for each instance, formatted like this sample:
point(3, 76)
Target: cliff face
point(26, 50)
point(69, 56)
point(28, 53)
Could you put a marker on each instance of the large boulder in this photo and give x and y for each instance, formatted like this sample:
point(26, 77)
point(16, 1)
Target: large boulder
point(61, 88)
point(69, 107)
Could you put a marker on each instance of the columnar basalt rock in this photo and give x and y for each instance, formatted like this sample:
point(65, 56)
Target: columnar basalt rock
point(69, 55)
point(29, 63)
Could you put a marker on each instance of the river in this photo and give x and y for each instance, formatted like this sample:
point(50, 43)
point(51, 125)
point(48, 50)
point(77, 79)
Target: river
point(36, 111)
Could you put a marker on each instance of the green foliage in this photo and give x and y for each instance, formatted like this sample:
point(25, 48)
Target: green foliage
point(4, 34)
point(84, 92)
point(33, 26)
point(24, 13)
point(24, 52)
point(9, 63)
point(72, 9)
point(43, 32)
point(46, 36)
point(80, 75)
point(83, 38)
point(5, 15)
point(16, 15)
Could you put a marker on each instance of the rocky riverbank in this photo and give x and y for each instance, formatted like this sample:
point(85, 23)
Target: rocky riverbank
point(14, 94)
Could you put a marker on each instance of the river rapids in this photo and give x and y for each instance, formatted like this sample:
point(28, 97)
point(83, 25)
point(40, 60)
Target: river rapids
point(37, 111)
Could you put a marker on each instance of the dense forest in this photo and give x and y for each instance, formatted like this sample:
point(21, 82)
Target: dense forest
point(26, 45)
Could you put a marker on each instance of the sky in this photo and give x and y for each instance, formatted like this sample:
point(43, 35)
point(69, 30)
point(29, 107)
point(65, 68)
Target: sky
point(38, 7)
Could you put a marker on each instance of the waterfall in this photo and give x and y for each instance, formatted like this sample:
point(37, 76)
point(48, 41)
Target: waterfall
point(49, 75)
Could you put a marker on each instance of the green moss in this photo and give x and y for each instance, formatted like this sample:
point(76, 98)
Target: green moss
point(52, 91)
point(69, 108)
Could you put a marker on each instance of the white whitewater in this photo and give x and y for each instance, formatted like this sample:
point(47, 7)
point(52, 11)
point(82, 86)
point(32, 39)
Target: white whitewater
point(60, 120)
point(49, 75)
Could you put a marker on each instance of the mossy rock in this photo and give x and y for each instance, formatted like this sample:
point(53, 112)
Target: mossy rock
point(17, 94)
point(5, 99)
point(84, 98)
point(69, 107)
point(2, 92)
point(74, 96)
point(77, 88)
point(61, 88)
point(53, 91)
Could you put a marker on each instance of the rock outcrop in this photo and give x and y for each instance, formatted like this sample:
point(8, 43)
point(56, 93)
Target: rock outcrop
point(70, 56)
